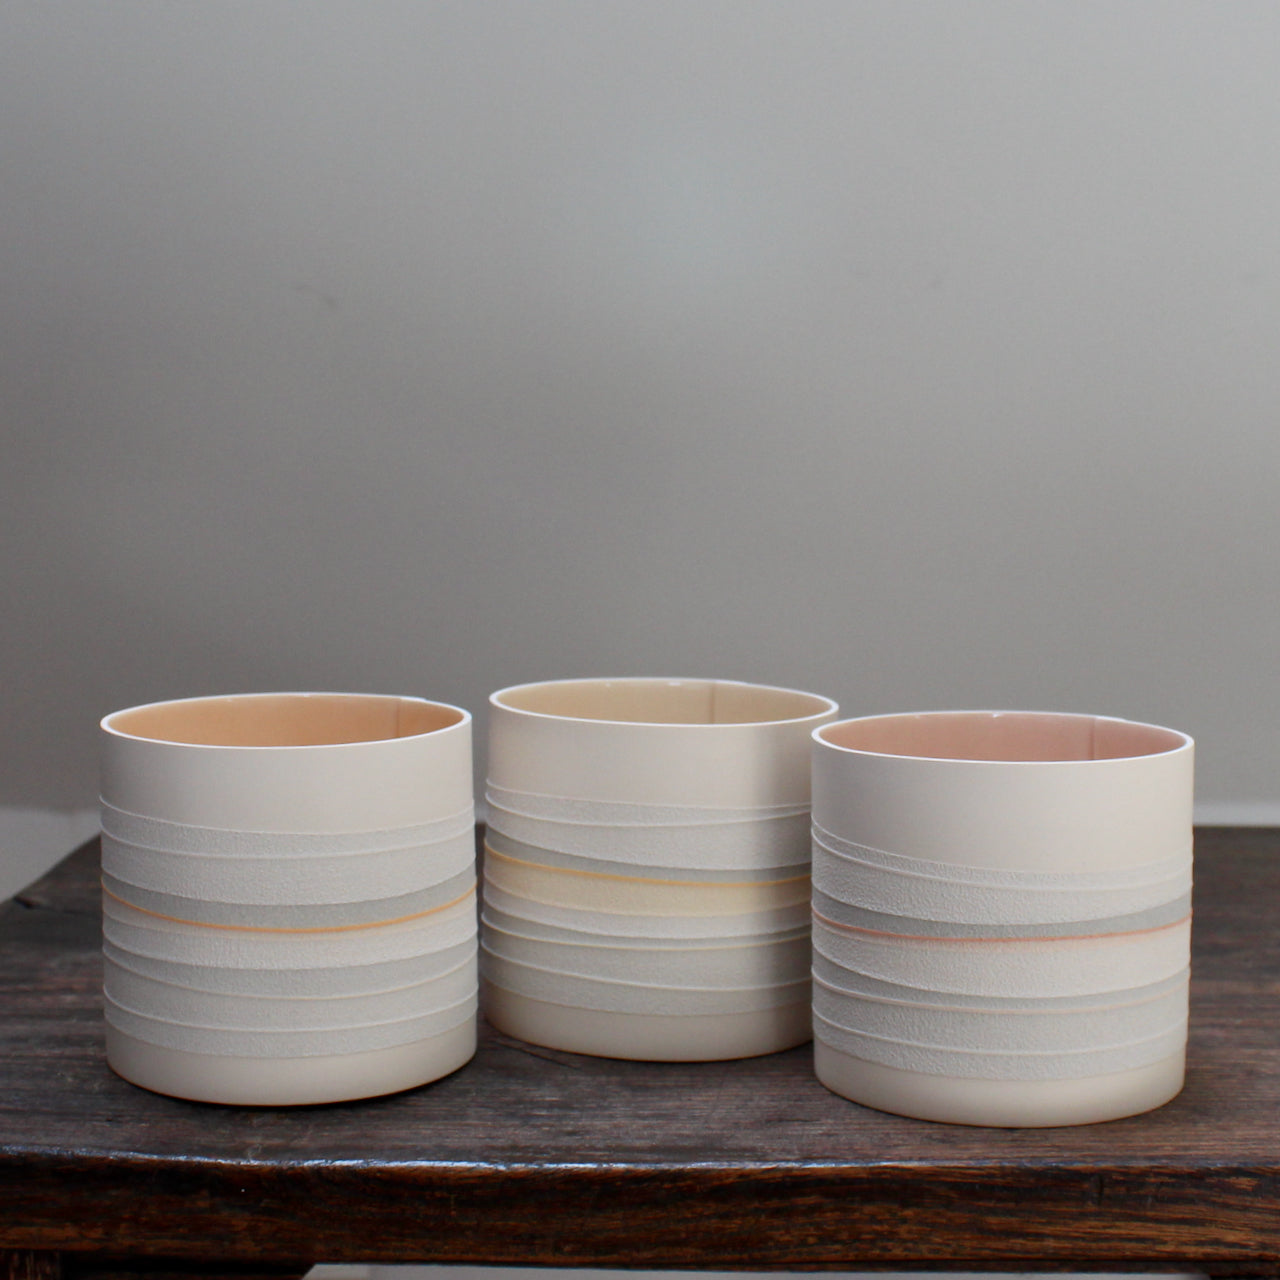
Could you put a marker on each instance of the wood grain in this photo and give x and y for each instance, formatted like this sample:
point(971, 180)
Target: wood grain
point(19, 1264)
point(533, 1156)
point(26, 1264)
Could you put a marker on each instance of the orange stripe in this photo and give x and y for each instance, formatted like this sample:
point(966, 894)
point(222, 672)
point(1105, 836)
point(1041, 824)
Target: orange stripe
point(258, 928)
point(604, 875)
point(1040, 937)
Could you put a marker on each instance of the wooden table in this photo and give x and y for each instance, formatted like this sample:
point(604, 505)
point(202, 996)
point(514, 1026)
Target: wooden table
point(534, 1156)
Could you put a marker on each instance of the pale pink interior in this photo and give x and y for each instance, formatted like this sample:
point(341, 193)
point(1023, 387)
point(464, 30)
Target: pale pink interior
point(1005, 736)
point(284, 720)
point(651, 701)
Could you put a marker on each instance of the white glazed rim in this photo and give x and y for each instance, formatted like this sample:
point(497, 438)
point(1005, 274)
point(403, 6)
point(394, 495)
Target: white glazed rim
point(111, 724)
point(1165, 742)
point(820, 706)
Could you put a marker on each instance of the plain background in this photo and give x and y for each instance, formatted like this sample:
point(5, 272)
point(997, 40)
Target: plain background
point(919, 354)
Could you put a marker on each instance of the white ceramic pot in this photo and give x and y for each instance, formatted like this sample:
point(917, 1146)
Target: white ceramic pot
point(1024, 857)
point(633, 814)
point(264, 857)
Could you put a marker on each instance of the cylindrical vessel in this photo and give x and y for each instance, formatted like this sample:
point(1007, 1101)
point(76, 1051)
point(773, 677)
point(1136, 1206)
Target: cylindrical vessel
point(1001, 915)
point(289, 910)
point(659, 829)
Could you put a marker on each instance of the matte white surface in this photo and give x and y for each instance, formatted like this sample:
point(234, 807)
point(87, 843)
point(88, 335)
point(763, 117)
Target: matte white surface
point(648, 933)
point(939, 891)
point(277, 879)
point(284, 1045)
point(220, 842)
point(575, 750)
point(612, 995)
point(650, 1037)
point(346, 980)
point(1049, 1033)
point(741, 846)
point(922, 355)
point(320, 1009)
point(1024, 967)
point(636, 895)
point(1008, 1066)
point(756, 964)
point(141, 933)
point(677, 928)
point(330, 788)
point(348, 913)
point(1016, 824)
point(253, 1081)
point(849, 980)
point(1005, 1103)
point(532, 804)
point(1069, 816)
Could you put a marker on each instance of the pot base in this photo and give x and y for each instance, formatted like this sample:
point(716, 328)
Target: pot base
point(283, 1082)
point(644, 1037)
point(1012, 1104)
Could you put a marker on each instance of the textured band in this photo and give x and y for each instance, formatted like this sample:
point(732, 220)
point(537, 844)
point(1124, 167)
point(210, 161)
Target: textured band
point(1030, 968)
point(173, 837)
point(996, 1065)
point(856, 917)
point(764, 929)
point(146, 933)
point(850, 982)
point(252, 915)
point(911, 888)
point(328, 879)
point(315, 1010)
point(749, 965)
point(332, 980)
point(636, 895)
point(611, 924)
point(611, 996)
point(287, 1044)
point(536, 804)
point(504, 844)
point(217, 866)
point(1029, 1030)
point(747, 846)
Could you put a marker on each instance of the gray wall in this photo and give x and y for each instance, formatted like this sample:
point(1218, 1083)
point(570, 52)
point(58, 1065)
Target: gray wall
point(921, 354)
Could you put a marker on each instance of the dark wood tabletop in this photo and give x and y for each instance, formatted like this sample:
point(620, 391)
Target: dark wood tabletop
point(538, 1157)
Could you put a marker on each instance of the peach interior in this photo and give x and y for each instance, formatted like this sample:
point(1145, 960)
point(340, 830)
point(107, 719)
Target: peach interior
point(663, 701)
point(284, 720)
point(1009, 736)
